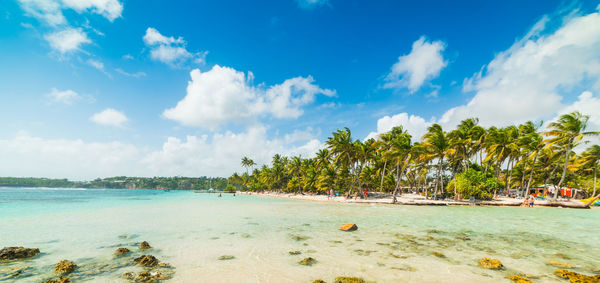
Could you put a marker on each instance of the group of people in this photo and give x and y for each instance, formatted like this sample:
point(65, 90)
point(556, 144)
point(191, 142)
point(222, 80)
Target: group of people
point(529, 201)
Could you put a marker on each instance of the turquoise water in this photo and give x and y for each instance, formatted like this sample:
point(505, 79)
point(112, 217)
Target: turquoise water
point(190, 231)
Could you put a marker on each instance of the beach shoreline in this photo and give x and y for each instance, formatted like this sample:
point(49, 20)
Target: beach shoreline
point(415, 199)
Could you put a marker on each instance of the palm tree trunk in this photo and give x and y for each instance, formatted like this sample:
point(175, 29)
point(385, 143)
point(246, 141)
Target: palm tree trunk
point(455, 181)
point(382, 175)
point(531, 174)
point(595, 173)
point(564, 173)
point(440, 181)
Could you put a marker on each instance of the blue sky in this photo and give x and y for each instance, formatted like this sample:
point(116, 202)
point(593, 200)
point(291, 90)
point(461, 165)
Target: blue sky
point(100, 88)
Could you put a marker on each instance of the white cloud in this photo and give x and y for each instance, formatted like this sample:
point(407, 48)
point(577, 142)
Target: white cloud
point(530, 80)
point(50, 11)
point(423, 63)
point(67, 40)
point(587, 104)
point(109, 117)
point(96, 64)
point(26, 155)
point(110, 9)
point(223, 95)
point(44, 10)
point(309, 4)
point(170, 50)
point(416, 126)
point(221, 155)
point(65, 96)
point(127, 57)
point(135, 75)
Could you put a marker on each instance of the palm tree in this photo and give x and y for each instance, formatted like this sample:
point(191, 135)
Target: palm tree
point(568, 132)
point(591, 158)
point(247, 163)
point(534, 144)
point(343, 149)
point(437, 143)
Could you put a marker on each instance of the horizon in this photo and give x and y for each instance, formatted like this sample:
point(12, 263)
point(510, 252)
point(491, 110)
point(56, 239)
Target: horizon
point(98, 89)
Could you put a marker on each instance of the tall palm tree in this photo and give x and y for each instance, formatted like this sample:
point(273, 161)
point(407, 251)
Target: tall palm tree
point(591, 158)
point(437, 143)
point(568, 132)
point(343, 149)
point(247, 163)
point(534, 143)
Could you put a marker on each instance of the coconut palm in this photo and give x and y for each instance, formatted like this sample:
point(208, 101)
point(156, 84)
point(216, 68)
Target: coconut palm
point(247, 163)
point(567, 132)
point(437, 143)
point(591, 158)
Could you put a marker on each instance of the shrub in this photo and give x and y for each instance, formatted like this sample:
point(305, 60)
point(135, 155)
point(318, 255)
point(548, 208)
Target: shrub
point(473, 183)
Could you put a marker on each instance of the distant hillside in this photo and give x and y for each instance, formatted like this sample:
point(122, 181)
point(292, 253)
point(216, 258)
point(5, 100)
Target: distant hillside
point(173, 183)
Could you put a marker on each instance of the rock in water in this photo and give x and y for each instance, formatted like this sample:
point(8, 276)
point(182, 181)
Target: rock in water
point(226, 257)
point(519, 279)
point(122, 251)
point(319, 281)
point(64, 267)
point(144, 245)
point(61, 279)
point(294, 252)
point(438, 254)
point(559, 264)
point(349, 280)
point(490, 263)
point(308, 261)
point(349, 227)
point(147, 260)
point(17, 253)
point(576, 277)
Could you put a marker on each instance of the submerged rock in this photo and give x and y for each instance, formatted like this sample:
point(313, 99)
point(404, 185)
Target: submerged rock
point(121, 251)
point(226, 257)
point(60, 279)
point(349, 227)
point(559, 264)
point(150, 277)
point(245, 235)
point(144, 245)
point(128, 275)
point(9, 253)
point(294, 252)
point(300, 238)
point(147, 260)
point(563, 256)
point(308, 261)
point(319, 281)
point(519, 279)
point(438, 254)
point(576, 277)
point(490, 263)
point(12, 272)
point(64, 267)
point(349, 280)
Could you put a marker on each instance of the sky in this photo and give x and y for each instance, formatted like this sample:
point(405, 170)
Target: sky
point(98, 88)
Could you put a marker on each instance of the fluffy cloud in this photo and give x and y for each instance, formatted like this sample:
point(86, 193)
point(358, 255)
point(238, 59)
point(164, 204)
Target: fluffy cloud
point(415, 125)
point(222, 95)
point(65, 96)
point(109, 117)
point(170, 50)
point(44, 10)
point(423, 63)
point(26, 155)
point(67, 40)
point(530, 80)
point(587, 104)
point(50, 11)
point(221, 155)
point(110, 9)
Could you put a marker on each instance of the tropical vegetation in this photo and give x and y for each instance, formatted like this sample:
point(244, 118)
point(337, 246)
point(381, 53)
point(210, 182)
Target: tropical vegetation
point(468, 161)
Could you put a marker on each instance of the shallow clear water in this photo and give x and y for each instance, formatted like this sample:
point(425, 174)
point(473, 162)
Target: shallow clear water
point(190, 231)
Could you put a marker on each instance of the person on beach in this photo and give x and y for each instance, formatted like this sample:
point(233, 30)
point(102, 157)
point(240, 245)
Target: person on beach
point(525, 203)
point(366, 193)
point(531, 201)
point(356, 195)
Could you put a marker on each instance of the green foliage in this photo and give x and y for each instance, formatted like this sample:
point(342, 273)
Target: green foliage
point(473, 183)
point(230, 189)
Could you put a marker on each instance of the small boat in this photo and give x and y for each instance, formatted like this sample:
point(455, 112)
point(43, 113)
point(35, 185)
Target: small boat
point(349, 227)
